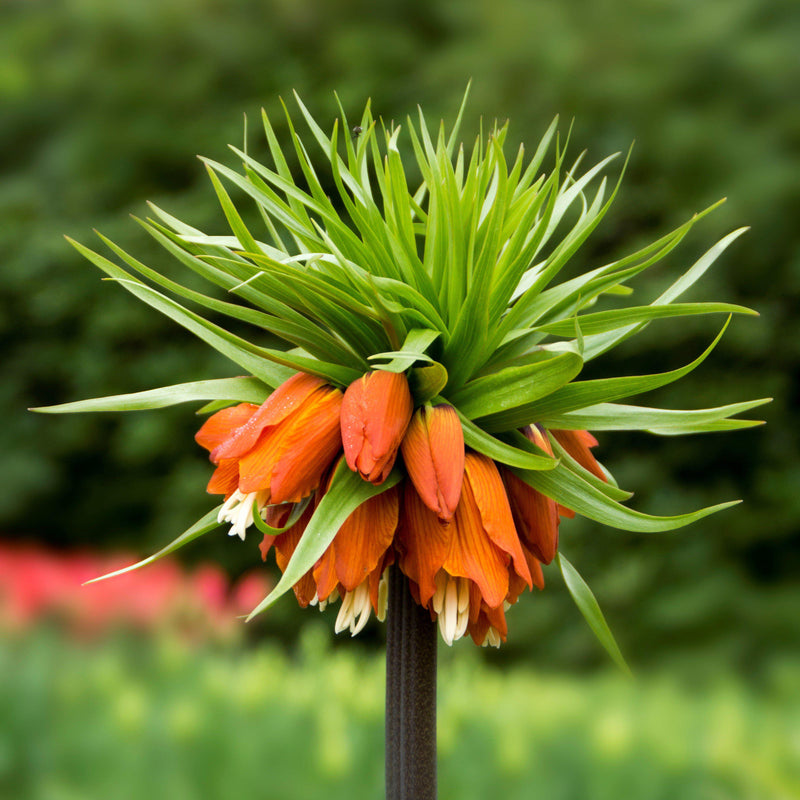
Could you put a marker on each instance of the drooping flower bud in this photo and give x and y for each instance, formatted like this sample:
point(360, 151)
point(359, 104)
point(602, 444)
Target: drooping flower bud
point(433, 451)
point(376, 410)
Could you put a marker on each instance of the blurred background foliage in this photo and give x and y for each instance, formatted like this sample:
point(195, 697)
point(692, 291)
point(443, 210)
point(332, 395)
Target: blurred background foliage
point(104, 106)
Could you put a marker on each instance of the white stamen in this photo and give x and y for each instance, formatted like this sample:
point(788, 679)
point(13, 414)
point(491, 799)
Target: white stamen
point(438, 595)
point(355, 611)
point(362, 607)
point(345, 613)
point(463, 595)
point(493, 637)
point(452, 600)
point(238, 510)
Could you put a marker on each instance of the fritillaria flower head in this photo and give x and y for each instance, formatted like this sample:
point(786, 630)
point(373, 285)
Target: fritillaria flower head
point(428, 412)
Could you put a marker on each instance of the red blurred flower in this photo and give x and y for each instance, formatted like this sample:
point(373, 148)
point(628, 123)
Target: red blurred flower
point(375, 413)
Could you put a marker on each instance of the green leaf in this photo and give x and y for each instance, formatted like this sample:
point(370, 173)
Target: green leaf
point(602, 342)
point(608, 488)
point(268, 530)
point(617, 417)
point(572, 491)
point(241, 390)
point(603, 321)
point(347, 491)
point(512, 387)
point(589, 607)
point(233, 347)
point(201, 527)
point(586, 393)
point(416, 343)
point(500, 451)
point(426, 382)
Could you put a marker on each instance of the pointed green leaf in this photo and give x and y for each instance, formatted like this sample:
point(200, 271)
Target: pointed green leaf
point(602, 342)
point(201, 527)
point(233, 347)
point(572, 491)
point(603, 321)
point(589, 607)
point(617, 417)
point(587, 393)
point(240, 390)
point(509, 388)
point(497, 450)
point(347, 491)
point(416, 343)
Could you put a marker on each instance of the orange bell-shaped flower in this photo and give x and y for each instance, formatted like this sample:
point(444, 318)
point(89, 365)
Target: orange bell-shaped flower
point(433, 452)
point(280, 449)
point(477, 551)
point(375, 413)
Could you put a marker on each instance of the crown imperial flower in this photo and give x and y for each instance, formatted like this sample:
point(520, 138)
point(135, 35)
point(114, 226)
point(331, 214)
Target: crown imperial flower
point(425, 318)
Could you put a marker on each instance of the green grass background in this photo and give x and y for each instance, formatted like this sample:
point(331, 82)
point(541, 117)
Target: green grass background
point(160, 719)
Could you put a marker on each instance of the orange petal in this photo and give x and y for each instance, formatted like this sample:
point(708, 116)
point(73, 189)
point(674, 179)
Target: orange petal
point(423, 542)
point(364, 538)
point(285, 544)
point(490, 496)
point(312, 442)
point(433, 452)
point(375, 576)
point(290, 458)
point(535, 517)
point(375, 414)
point(537, 436)
point(286, 399)
point(517, 585)
point(225, 478)
point(481, 618)
point(472, 553)
point(324, 573)
point(577, 444)
point(222, 425)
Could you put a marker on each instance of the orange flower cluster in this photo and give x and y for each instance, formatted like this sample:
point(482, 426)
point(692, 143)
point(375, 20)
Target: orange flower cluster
point(469, 534)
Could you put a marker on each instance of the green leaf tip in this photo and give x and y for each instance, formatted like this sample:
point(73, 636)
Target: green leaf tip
point(588, 606)
point(205, 524)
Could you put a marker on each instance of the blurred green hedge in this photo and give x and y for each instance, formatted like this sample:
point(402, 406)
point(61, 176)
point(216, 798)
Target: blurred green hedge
point(104, 106)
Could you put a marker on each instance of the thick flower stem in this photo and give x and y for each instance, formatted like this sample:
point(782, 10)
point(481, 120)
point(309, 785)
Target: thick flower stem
point(410, 696)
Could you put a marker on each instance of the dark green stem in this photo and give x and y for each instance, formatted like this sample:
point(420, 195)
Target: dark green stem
point(410, 696)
